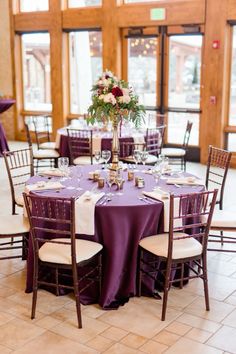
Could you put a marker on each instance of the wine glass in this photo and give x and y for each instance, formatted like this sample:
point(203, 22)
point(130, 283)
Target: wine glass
point(119, 181)
point(156, 174)
point(136, 157)
point(63, 165)
point(79, 174)
point(97, 156)
point(164, 164)
point(106, 155)
point(144, 157)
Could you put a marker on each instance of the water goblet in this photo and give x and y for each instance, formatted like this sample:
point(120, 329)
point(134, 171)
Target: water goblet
point(79, 174)
point(106, 155)
point(119, 181)
point(144, 157)
point(156, 174)
point(63, 165)
point(137, 158)
point(97, 156)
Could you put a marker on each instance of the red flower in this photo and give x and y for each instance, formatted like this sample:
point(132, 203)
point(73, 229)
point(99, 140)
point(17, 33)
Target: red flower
point(107, 76)
point(117, 92)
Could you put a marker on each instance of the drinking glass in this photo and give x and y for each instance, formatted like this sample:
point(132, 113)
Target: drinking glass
point(119, 180)
point(144, 157)
point(156, 174)
point(63, 165)
point(106, 155)
point(97, 155)
point(136, 157)
point(164, 164)
point(79, 174)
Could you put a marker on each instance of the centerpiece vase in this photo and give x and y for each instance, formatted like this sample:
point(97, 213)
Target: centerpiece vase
point(115, 144)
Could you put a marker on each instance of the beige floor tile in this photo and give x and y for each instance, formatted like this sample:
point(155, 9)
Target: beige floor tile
point(91, 328)
point(114, 333)
point(64, 314)
point(119, 348)
point(100, 343)
point(153, 347)
point(5, 291)
point(224, 339)
point(141, 317)
point(93, 311)
point(221, 267)
point(47, 322)
point(230, 320)
point(218, 310)
point(198, 335)
point(4, 350)
point(231, 300)
point(51, 343)
point(133, 340)
point(178, 328)
point(16, 333)
point(187, 346)
point(198, 322)
point(166, 337)
point(5, 317)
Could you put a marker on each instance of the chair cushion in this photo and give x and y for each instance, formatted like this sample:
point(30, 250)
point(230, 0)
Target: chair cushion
point(224, 219)
point(19, 200)
point(48, 145)
point(13, 225)
point(45, 154)
point(82, 160)
point(183, 248)
point(172, 152)
point(61, 254)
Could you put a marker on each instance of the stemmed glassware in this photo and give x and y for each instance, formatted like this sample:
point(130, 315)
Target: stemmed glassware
point(106, 155)
point(119, 181)
point(144, 157)
point(63, 165)
point(137, 158)
point(79, 174)
point(156, 174)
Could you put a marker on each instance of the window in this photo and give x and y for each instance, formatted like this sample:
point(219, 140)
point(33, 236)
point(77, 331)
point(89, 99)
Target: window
point(232, 107)
point(85, 67)
point(33, 5)
point(36, 72)
point(136, 1)
point(84, 3)
point(142, 68)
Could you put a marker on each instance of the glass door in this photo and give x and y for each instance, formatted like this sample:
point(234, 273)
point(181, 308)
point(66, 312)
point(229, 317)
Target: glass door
point(164, 67)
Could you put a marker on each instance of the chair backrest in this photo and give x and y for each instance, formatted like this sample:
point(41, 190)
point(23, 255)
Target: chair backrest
point(127, 148)
point(51, 218)
point(28, 136)
point(217, 170)
point(187, 134)
point(80, 143)
point(155, 139)
point(157, 118)
point(191, 214)
point(19, 165)
point(41, 130)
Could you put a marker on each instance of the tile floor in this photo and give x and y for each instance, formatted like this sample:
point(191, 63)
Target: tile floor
point(133, 328)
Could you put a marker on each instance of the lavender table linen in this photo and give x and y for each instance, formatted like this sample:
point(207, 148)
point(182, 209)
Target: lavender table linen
point(119, 226)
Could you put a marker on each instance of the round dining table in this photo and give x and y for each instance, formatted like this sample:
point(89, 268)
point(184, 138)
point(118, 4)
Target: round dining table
point(120, 223)
point(5, 104)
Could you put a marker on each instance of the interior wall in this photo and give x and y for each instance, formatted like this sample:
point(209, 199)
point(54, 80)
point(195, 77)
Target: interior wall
point(6, 75)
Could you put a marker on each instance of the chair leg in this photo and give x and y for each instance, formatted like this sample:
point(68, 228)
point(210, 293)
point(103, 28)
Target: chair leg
point(139, 273)
point(181, 283)
point(166, 290)
point(222, 238)
point(205, 283)
point(35, 290)
point(77, 295)
point(57, 281)
point(100, 273)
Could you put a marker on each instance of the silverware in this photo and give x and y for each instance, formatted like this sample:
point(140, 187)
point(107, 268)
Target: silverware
point(107, 200)
point(177, 185)
point(146, 200)
point(102, 200)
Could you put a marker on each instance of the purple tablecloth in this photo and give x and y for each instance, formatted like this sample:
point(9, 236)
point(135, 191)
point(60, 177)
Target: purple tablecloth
point(119, 226)
point(5, 104)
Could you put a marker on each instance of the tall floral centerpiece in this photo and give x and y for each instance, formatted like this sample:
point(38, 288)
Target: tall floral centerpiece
point(113, 100)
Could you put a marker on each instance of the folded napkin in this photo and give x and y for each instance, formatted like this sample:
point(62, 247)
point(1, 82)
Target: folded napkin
point(54, 172)
point(41, 187)
point(184, 180)
point(165, 198)
point(85, 213)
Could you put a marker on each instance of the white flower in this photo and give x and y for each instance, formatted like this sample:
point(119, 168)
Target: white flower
point(100, 82)
point(125, 99)
point(109, 98)
point(105, 82)
point(101, 97)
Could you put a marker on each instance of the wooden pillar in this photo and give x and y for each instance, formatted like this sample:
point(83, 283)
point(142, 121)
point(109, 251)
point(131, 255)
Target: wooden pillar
point(56, 64)
point(213, 77)
point(111, 38)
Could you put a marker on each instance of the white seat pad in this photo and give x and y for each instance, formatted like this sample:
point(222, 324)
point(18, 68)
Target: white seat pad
point(82, 160)
point(46, 154)
point(224, 218)
point(19, 200)
point(183, 248)
point(13, 224)
point(172, 152)
point(48, 145)
point(61, 254)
